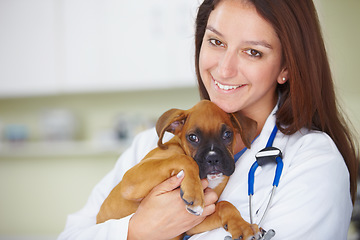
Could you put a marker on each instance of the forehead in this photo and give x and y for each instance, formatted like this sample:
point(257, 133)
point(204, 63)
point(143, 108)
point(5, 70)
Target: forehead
point(240, 20)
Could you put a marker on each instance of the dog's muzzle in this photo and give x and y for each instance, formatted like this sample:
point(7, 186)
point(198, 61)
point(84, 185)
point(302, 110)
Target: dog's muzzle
point(214, 163)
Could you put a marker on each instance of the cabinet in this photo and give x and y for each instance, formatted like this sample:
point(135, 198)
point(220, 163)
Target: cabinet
point(27, 47)
point(64, 46)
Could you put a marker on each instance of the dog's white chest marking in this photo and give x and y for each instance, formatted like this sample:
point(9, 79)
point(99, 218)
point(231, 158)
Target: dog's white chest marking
point(214, 180)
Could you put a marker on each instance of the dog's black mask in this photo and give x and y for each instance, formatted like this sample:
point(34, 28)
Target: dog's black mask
point(213, 155)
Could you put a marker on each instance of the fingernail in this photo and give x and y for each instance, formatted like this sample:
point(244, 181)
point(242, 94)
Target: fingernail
point(180, 174)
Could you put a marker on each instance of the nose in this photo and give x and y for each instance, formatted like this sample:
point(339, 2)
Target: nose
point(212, 158)
point(227, 67)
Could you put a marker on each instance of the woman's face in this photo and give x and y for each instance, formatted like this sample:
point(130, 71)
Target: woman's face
point(240, 59)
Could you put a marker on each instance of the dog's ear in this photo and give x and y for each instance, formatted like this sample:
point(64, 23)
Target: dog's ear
point(247, 127)
point(171, 121)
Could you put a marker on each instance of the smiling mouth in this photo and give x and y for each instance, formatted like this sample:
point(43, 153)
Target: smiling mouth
point(227, 87)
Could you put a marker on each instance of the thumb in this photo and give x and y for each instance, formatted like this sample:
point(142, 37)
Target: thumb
point(169, 184)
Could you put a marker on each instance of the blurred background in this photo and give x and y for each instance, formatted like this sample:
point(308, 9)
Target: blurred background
point(79, 78)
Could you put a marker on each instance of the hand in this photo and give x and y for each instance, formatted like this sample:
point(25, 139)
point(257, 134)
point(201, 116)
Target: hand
point(163, 215)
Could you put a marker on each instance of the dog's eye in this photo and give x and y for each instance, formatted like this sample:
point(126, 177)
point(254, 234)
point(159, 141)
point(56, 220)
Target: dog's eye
point(227, 135)
point(193, 138)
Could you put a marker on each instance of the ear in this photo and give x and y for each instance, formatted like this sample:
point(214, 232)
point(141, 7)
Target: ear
point(246, 127)
point(171, 121)
point(283, 76)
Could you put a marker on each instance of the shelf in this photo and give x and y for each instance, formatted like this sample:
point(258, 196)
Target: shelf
point(60, 149)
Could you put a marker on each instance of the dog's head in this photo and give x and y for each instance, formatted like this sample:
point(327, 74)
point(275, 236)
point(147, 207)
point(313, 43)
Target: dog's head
point(207, 134)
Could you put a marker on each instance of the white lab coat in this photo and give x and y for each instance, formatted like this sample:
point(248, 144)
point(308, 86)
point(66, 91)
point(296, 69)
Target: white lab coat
point(312, 201)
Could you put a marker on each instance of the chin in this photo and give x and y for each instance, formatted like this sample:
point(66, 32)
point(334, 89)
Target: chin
point(226, 105)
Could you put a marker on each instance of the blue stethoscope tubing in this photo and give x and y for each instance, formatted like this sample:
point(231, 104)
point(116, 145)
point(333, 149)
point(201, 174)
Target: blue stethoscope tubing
point(266, 155)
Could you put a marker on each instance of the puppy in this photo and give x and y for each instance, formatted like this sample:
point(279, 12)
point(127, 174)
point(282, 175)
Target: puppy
point(203, 147)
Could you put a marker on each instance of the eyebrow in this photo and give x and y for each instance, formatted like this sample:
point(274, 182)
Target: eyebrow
point(256, 43)
point(259, 43)
point(214, 30)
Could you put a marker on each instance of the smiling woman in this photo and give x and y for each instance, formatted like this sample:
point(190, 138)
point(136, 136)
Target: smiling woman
point(251, 55)
point(284, 53)
point(266, 60)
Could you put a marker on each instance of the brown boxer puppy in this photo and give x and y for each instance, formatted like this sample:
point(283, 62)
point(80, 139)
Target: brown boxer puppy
point(202, 147)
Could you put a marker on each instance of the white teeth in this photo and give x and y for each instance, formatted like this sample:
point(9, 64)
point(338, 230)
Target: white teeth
point(226, 87)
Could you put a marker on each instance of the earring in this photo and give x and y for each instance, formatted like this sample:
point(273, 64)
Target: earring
point(284, 79)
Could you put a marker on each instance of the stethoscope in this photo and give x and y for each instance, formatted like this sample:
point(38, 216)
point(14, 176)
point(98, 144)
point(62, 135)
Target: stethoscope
point(267, 155)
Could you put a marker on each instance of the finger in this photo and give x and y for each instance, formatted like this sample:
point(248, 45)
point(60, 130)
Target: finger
point(205, 183)
point(210, 196)
point(169, 184)
point(208, 210)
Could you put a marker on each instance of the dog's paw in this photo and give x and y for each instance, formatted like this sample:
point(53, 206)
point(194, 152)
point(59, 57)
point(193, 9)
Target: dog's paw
point(242, 230)
point(194, 202)
point(194, 210)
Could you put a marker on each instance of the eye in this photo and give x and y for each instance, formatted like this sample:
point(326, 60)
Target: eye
point(216, 43)
point(193, 138)
point(253, 53)
point(227, 135)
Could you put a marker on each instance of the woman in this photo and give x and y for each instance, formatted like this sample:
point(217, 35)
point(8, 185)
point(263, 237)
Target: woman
point(267, 59)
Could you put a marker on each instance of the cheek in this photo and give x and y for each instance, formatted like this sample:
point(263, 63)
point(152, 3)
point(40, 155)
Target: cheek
point(203, 65)
point(271, 69)
point(207, 61)
point(264, 74)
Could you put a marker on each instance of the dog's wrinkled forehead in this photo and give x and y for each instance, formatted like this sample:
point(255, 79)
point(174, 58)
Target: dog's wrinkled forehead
point(214, 117)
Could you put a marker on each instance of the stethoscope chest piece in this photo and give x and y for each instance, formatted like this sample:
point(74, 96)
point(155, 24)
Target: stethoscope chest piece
point(265, 235)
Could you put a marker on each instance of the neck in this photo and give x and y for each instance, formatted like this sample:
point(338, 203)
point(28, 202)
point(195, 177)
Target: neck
point(260, 115)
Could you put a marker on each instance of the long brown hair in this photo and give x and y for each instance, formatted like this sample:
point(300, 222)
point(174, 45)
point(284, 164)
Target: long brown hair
point(308, 97)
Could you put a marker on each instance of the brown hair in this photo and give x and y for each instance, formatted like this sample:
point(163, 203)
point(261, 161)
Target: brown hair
point(308, 97)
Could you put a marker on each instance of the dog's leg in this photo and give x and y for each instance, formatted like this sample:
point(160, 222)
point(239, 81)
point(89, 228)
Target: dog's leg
point(116, 207)
point(135, 186)
point(229, 218)
point(143, 177)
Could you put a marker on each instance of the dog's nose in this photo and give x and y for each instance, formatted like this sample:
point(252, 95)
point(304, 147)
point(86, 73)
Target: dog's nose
point(212, 158)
